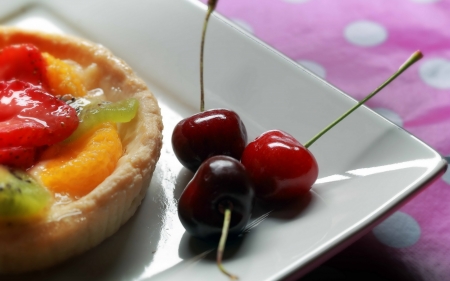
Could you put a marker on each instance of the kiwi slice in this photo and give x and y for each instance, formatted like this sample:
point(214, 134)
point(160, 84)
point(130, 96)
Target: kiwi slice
point(94, 113)
point(21, 197)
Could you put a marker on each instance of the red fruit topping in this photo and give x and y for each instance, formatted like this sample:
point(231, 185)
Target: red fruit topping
point(23, 62)
point(280, 167)
point(30, 117)
point(18, 157)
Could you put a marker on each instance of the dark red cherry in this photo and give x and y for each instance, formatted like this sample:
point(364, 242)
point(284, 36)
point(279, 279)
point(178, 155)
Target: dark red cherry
point(208, 133)
point(220, 182)
point(280, 167)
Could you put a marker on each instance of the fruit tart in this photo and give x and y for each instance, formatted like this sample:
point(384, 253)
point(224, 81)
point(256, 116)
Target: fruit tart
point(80, 135)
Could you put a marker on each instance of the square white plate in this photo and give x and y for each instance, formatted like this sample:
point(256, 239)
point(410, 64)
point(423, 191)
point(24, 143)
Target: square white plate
point(368, 166)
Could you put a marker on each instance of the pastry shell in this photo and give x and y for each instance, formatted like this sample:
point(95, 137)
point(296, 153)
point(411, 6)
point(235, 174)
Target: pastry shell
point(71, 229)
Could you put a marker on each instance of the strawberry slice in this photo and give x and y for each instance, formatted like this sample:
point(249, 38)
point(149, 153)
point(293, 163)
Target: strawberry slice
point(30, 117)
point(23, 62)
point(18, 157)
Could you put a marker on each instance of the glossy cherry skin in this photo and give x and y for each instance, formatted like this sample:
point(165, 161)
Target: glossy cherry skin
point(219, 181)
point(208, 133)
point(280, 167)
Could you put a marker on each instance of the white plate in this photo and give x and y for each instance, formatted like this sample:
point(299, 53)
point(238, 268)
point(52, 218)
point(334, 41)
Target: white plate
point(368, 166)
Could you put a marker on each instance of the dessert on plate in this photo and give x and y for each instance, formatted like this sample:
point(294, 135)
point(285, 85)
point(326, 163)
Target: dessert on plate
point(85, 203)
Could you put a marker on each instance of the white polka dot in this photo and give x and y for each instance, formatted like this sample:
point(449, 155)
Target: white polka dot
point(296, 1)
point(398, 231)
point(436, 73)
point(244, 25)
point(314, 67)
point(365, 33)
point(390, 115)
point(425, 1)
point(446, 176)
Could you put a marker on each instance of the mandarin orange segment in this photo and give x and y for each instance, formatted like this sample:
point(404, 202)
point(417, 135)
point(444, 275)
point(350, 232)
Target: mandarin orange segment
point(76, 168)
point(63, 78)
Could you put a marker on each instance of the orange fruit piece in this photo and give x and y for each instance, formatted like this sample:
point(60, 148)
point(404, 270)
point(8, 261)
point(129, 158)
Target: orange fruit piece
point(77, 167)
point(63, 78)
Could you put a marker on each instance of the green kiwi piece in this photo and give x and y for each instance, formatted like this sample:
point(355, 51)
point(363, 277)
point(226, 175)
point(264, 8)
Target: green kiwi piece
point(92, 114)
point(21, 196)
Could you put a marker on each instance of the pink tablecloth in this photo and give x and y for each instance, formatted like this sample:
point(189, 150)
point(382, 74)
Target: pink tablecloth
point(356, 45)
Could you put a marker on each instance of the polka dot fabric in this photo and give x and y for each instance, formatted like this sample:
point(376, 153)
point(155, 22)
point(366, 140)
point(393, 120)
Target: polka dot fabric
point(356, 45)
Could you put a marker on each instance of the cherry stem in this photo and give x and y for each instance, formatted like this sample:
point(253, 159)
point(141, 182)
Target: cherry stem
point(211, 6)
point(410, 61)
point(223, 240)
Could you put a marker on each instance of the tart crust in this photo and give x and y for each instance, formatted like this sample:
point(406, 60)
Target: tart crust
point(71, 229)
